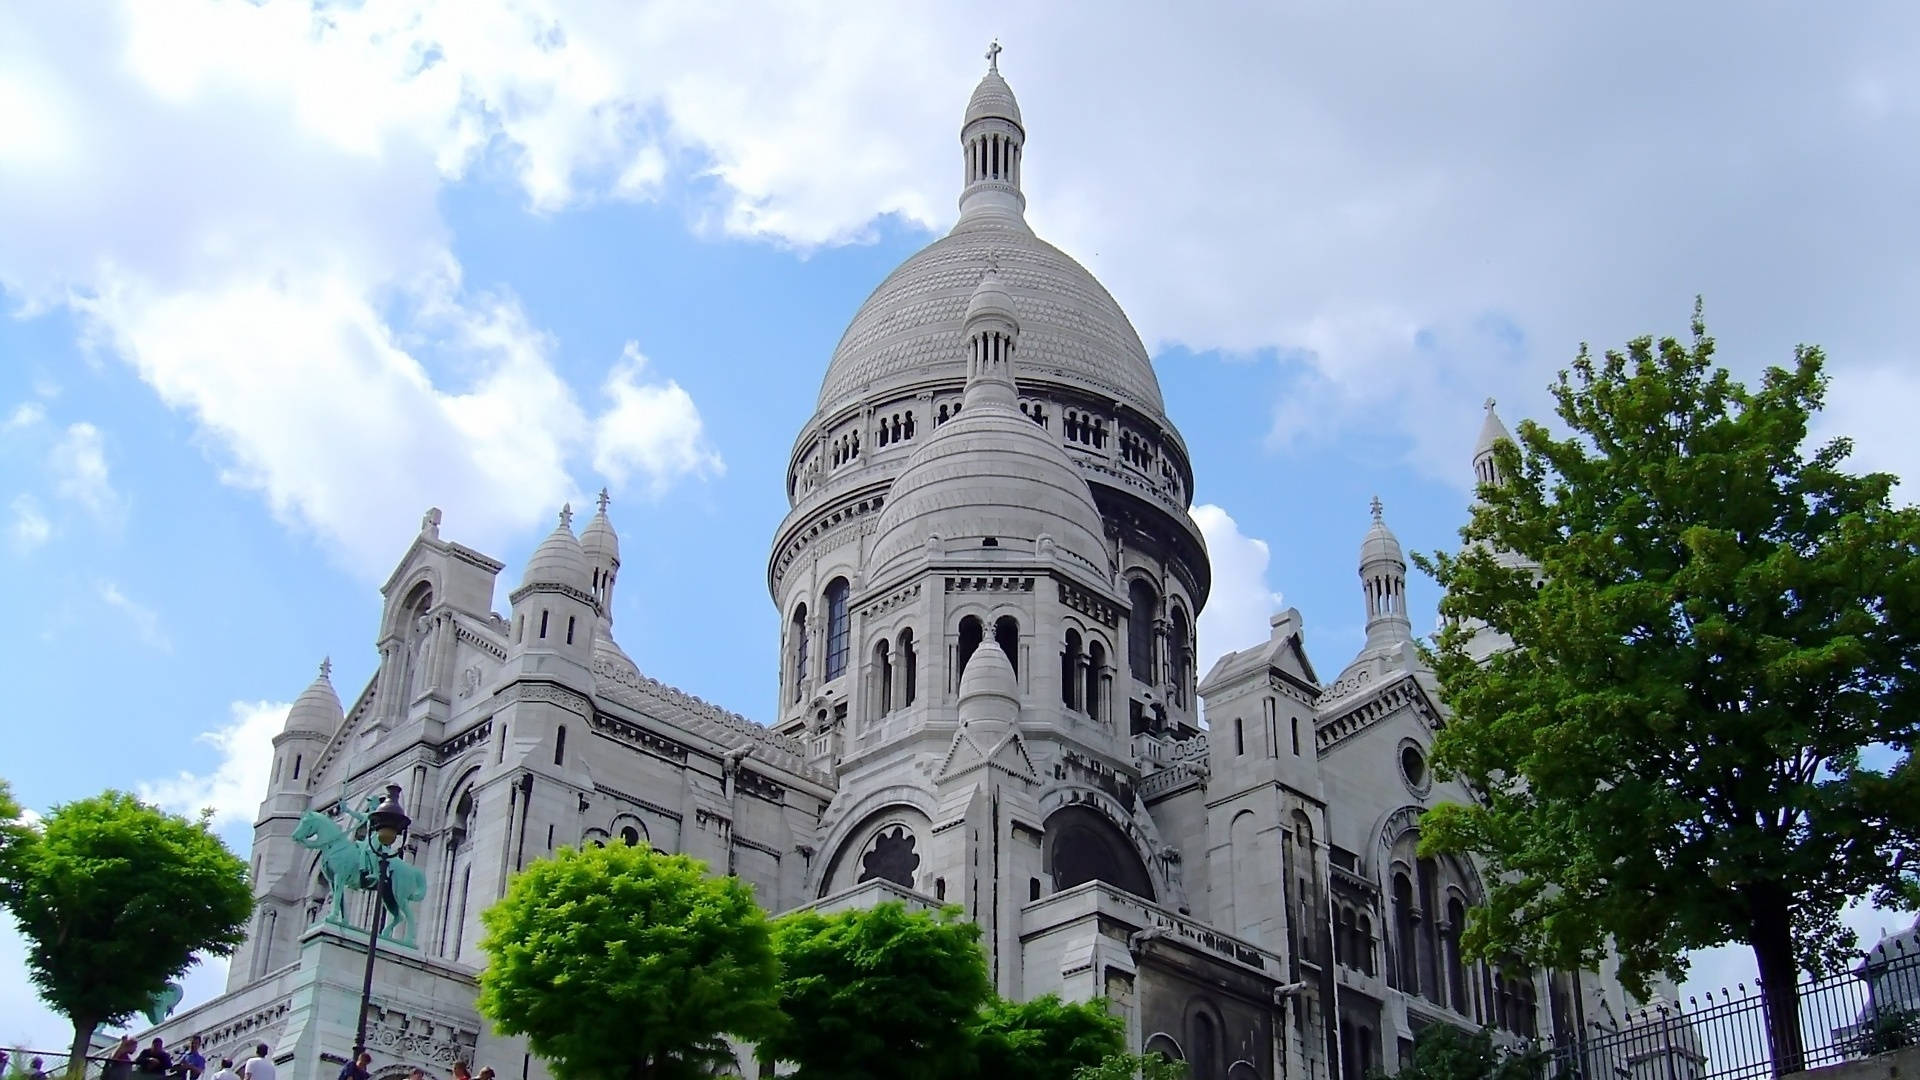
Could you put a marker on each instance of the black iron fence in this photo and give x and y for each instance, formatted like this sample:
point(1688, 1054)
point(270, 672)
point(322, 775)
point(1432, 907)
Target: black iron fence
point(1871, 1009)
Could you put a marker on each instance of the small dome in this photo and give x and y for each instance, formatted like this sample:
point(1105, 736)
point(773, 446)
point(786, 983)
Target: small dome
point(317, 710)
point(989, 690)
point(993, 100)
point(559, 560)
point(991, 300)
point(598, 539)
point(1380, 545)
point(990, 477)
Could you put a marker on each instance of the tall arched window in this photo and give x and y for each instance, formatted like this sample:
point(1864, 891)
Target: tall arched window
point(1006, 631)
point(1177, 656)
point(1456, 970)
point(798, 644)
point(1070, 670)
point(883, 669)
point(1363, 941)
point(909, 668)
point(1430, 987)
point(971, 632)
point(1406, 952)
point(836, 628)
point(1096, 679)
point(1140, 630)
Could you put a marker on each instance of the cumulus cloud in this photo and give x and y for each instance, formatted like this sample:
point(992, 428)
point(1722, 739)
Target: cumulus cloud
point(1242, 601)
point(27, 526)
point(235, 777)
point(27, 414)
point(144, 621)
point(78, 467)
point(650, 427)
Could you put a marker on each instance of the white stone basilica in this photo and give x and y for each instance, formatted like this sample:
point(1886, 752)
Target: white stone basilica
point(988, 581)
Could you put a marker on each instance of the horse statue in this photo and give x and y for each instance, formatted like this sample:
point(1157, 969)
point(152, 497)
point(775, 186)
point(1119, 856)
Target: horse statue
point(350, 863)
point(161, 1005)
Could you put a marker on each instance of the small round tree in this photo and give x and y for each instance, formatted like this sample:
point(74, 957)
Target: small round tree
point(115, 898)
point(878, 992)
point(621, 962)
point(1045, 1038)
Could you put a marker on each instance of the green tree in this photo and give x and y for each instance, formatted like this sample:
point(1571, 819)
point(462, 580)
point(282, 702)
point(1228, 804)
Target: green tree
point(879, 992)
point(622, 962)
point(1133, 1067)
point(1045, 1039)
point(1445, 1052)
point(1720, 643)
point(115, 898)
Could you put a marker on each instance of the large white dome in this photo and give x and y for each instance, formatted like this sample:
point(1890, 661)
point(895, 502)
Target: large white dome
point(1071, 330)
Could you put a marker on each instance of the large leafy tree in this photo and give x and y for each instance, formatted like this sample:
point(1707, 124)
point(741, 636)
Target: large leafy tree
point(115, 898)
point(878, 992)
point(1702, 733)
point(1045, 1038)
point(622, 963)
point(1445, 1052)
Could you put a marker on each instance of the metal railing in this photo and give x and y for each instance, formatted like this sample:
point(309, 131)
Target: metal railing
point(1871, 1009)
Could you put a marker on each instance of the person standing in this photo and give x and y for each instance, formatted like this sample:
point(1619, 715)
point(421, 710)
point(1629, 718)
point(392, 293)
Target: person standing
point(357, 1068)
point(154, 1061)
point(119, 1064)
point(225, 1071)
point(259, 1066)
point(189, 1065)
point(38, 1071)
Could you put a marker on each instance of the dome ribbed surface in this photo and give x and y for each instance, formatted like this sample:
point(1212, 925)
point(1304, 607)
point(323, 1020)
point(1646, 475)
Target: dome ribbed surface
point(910, 329)
point(992, 100)
point(598, 538)
point(317, 709)
point(1380, 544)
point(990, 472)
point(559, 560)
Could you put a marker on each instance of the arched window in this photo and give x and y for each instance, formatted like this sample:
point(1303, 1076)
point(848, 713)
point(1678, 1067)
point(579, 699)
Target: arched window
point(1239, 736)
point(560, 746)
point(836, 628)
point(971, 632)
point(1206, 1047)
point(1006, 631)
point(1456, 970)
point(1405, 950)
point(630, 836)
point(1070, 671)
point(909, 667)
point(1363, 941)
point(1177, 656)
point(1096, 673)
point(799, 647)
point(1140, 630)
point(883, 666)
point(1429, 933)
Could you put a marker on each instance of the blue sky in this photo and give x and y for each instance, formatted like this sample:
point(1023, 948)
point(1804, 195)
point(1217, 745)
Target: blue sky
point(276, 279)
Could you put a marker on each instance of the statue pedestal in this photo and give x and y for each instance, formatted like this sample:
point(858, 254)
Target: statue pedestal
point(420, 1013)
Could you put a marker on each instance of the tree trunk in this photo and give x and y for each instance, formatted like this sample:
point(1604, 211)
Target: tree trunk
point(83, 1028)
point(1771, 937)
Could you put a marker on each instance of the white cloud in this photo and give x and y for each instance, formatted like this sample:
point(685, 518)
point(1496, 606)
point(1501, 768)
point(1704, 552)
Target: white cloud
point(25, 415)
point(1873, 406)
point(77, 465)
point(144, 620)
point(235, 779)
point(1241, 602)
point(28, 528)
point(649, 427)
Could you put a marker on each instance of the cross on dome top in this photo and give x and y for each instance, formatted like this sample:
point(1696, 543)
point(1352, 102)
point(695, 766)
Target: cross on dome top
point(566, 515)
point(1489, 404)
point(603, 500)
point(993, 56)
point(1375, 507)
point(326, 667)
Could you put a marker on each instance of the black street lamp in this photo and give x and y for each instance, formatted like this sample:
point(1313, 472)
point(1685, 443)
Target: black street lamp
point(386, 832)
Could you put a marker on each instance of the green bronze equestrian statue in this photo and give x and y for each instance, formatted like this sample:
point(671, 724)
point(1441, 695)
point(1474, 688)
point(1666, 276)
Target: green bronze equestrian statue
point(348, 861)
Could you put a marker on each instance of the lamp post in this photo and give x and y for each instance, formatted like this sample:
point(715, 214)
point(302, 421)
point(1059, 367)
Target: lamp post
point(386, 831)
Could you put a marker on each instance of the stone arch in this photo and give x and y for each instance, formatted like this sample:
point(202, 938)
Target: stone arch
point(1082, 844)
point(899, 806)
point(1164, 1045)
point(1206, 1039)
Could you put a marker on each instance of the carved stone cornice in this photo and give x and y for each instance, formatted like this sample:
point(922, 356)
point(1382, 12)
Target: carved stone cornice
point(465, 740)
point(990, 583)
point(638, 737)
point(571, 700)
point(1090, 604)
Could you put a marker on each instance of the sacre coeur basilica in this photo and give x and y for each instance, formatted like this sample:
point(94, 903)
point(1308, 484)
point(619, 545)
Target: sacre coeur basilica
point(987, 585)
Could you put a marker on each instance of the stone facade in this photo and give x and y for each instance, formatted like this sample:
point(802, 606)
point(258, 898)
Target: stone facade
point(988, 584)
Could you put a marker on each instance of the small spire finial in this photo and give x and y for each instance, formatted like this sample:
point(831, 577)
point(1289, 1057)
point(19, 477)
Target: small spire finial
point(326, 667)
point(1489, 404)
point(993, 56)
point(604, 499)
point(566, 515)
point(1375, 507)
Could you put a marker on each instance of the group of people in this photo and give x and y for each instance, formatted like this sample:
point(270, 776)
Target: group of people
point(37, 1069)
point(155, 1062)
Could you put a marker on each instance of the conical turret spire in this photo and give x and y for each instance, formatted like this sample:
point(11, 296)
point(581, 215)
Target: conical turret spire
point(1492, 431)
